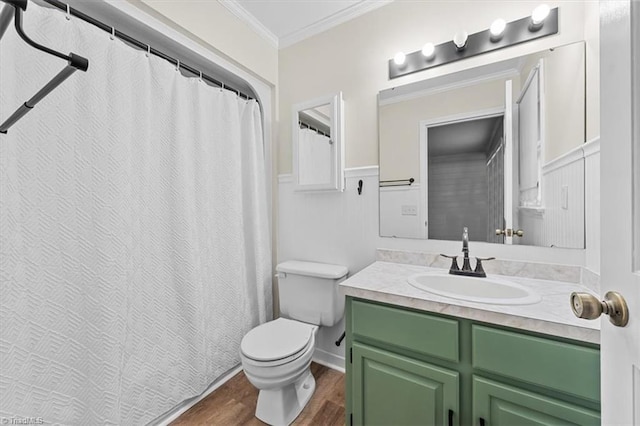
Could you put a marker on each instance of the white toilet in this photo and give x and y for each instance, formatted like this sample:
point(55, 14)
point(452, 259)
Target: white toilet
point(276, 355)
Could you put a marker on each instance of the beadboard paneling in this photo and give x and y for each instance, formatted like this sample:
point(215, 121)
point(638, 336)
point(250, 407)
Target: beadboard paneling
point(577, 225)
point(592, 206)
point(330, 227)
point(555, 225)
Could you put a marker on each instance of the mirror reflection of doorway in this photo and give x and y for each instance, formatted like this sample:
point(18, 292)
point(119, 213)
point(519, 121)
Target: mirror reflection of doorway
point(465, 175)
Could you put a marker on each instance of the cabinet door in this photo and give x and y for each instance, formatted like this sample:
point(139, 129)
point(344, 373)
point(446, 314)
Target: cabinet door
point(496, 404)
point(390, 389)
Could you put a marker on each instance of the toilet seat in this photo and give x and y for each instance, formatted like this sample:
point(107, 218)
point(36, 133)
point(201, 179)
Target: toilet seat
point(277, 342)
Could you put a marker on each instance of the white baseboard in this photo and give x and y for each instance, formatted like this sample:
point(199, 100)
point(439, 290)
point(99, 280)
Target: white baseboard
point(333, 361)
point(176, 412)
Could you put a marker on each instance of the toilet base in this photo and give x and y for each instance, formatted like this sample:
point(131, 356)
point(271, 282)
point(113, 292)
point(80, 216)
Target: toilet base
point(281, 406)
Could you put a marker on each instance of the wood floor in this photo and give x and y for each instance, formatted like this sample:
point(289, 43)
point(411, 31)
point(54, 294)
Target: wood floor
point(234, 403)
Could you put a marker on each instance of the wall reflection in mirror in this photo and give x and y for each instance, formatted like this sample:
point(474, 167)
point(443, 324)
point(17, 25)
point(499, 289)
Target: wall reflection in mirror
point(488, 149)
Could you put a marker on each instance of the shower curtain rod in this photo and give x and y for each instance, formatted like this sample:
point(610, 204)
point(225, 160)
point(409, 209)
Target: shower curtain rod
point(13, 9)
point(320, 132)
point(111, 30)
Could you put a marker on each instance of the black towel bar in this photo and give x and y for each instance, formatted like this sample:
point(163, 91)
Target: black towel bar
point(397, 182)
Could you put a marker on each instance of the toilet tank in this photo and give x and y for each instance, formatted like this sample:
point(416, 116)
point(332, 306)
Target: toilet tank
point(308, 291)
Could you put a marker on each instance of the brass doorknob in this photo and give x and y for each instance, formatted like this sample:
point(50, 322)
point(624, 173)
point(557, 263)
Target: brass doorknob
point(587, 306)
point(509, 232)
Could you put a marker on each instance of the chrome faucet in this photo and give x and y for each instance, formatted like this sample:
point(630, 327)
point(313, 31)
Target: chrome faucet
point(466, 264)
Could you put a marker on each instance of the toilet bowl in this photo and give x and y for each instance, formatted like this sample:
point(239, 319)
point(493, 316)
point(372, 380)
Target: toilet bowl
point(276, 358)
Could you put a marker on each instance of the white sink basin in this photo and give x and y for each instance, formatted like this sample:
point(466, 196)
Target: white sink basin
point(491, 290)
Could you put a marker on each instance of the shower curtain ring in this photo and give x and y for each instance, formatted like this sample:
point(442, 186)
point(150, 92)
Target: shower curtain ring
point(200, 75)
point(113, 33)
point(177, 64)
point(221, 87)
point(148, 50)
point(68, 13)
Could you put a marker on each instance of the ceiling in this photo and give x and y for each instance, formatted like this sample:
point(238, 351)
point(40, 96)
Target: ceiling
point(285, 22)
point(464, 137)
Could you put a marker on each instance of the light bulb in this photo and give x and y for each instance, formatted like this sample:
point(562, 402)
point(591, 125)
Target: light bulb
point(497, 28)
point(460, 39)
point(539, 14)
point(399, 58)
point(428, 50)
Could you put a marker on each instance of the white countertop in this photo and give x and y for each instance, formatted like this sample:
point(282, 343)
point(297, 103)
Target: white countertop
point(386, 282)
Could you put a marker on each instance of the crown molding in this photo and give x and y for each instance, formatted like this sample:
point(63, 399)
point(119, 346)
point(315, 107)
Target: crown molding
point(329, 22)
point(241, 13)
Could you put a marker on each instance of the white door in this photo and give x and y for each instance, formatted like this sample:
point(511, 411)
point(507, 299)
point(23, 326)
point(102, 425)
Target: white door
point(509, 175)
point(620, 172)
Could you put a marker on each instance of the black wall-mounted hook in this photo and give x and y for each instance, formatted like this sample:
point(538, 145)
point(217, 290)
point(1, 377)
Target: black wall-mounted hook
point(360, 187)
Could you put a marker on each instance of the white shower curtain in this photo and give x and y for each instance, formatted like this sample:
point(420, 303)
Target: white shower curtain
point(314, 157)
point(135, 246)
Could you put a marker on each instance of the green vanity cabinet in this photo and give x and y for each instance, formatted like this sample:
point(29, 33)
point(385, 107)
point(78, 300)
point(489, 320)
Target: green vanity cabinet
point(498, 404)
point(408, 367)
point(390, 389)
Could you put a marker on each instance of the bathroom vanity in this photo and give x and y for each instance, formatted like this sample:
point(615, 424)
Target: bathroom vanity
point(414, 357)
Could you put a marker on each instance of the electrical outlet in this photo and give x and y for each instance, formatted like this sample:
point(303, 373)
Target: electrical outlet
point(564, 197)
point(409, 210)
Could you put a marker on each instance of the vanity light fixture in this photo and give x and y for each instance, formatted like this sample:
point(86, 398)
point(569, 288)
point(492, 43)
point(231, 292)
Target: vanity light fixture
point(497, 29)
point(399, 58)
point(428, 50)
point(542, 22)
point(538, 16)
point(460, 40)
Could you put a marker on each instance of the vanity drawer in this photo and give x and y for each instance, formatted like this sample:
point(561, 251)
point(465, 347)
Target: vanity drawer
point(565, 367)
point(415, 331)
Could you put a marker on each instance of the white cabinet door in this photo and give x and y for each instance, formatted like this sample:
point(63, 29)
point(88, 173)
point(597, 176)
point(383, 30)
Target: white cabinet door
point(620, 180)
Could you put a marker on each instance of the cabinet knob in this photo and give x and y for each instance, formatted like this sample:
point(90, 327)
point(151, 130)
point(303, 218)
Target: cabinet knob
point(587, 306)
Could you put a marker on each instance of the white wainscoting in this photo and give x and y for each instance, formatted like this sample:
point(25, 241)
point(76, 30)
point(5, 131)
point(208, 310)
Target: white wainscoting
point(400, 214)
point(560, 221)
point(330, 227)
point(571, 204)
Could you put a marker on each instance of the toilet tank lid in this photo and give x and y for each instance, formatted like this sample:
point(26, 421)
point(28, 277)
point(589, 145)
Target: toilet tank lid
point(313, 269)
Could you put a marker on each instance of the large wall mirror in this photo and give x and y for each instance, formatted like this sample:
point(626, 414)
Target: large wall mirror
point(318, 148)
point(487, 149)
